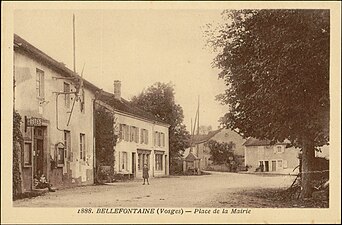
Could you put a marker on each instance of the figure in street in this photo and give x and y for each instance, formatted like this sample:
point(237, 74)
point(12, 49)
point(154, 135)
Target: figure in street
point(42, 183)
point(145, 174)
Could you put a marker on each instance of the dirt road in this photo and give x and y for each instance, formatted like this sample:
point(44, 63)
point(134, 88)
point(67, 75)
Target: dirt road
point(215, 190)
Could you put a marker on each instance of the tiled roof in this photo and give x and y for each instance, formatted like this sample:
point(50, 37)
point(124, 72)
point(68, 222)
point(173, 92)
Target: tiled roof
point(22, 45)
point(200, 138)
point(256, 142)
point(124, 106)
point(127, 107)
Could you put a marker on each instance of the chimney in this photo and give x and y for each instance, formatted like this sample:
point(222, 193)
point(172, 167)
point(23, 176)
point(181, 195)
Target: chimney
point(117, 89)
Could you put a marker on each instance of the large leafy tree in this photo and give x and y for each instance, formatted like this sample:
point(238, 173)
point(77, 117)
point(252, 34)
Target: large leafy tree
point(159, 99)
point(105, 139)
point(275, 64)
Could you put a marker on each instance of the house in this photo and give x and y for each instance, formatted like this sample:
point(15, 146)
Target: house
point(56, 107)
point(142, 137)
point(261, 155)
point(201, 150)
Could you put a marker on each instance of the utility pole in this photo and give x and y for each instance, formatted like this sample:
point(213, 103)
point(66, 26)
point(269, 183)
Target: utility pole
point(74, 44)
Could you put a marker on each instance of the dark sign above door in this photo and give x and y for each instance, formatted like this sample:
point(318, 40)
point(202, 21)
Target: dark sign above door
point(32, 122)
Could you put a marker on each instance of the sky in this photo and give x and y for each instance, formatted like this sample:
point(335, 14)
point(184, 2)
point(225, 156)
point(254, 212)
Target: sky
point(137, 47)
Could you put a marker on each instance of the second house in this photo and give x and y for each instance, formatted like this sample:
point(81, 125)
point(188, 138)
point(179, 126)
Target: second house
point(142, 137)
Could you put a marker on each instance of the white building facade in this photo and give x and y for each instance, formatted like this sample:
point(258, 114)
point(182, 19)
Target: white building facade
point(58, 137)
point(142, 138)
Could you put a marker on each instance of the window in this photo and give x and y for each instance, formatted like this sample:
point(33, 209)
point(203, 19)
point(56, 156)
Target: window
point(162, 136)
point(60, 156)
point(280, 163)
point(279, 149)
point(67, 144)
point(159, 162)
point(124, 132)
point(155, 138)
point(82, 147)
point(144, 136)
point(123, 161)
point(134, 134)
point(66, 88)
point(28, 154)
point(40, 83)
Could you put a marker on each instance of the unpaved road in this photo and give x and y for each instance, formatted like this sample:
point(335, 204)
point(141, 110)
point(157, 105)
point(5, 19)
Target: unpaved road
point(215, 190)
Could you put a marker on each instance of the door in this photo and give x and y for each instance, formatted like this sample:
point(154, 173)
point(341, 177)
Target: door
point(133, 165)
point(38, 151)
point(267, 168)
point(274, 165)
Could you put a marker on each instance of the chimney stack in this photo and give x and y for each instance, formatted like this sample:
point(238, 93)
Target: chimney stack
point(117, 89)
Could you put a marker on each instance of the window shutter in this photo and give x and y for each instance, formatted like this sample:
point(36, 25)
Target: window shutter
point(275, 149)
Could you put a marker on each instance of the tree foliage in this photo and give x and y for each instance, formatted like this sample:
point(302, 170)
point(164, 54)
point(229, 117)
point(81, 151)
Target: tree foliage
point(159, 99)
point(221, 153)
point(17, 146)
point(105, 137)
point(275, 64)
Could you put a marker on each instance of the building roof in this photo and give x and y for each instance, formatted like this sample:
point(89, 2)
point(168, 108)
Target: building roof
point(127, 107)
point(123, 106)
point(201, 138)
point(191, 157)
point(256, 142)
point(25, 47)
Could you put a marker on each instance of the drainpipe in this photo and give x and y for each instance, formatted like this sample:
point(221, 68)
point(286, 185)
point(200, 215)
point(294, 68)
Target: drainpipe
point(94, 141)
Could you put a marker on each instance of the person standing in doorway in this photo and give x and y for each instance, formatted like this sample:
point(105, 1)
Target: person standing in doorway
point(145, 174)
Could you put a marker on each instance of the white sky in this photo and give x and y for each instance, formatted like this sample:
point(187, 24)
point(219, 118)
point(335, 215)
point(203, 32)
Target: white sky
point(138, 47)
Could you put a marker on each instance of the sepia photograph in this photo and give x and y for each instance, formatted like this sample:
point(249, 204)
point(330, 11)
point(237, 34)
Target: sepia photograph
point(172, 111)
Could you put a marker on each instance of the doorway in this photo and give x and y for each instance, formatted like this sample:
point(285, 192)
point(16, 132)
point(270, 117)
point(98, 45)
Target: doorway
point(39, 151)
point(267, 168)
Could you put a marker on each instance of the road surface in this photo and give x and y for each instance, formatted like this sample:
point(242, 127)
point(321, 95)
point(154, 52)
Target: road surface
point(215, 190)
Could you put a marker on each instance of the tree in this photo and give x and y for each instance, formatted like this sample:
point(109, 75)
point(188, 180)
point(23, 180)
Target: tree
point(275, 64)
point(222, 153)
point(159, 99)
point(105, 138)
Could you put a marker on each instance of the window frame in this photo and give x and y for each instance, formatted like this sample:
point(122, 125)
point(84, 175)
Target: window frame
point(67, 99)
point(40, 84)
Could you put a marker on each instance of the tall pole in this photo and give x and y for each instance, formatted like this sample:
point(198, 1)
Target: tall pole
point(73, 38)
point(198, 114)
point(197, 147)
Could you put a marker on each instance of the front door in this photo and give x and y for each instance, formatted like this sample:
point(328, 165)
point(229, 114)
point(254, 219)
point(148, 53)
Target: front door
point(38, 151)
point(133, 165)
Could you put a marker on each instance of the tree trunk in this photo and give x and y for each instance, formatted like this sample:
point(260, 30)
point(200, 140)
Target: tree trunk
point(308, 157)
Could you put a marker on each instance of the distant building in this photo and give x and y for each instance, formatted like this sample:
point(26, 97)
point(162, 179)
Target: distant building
point(143, 138)
point(201, 151)
point(44, 96)
point(261, 156)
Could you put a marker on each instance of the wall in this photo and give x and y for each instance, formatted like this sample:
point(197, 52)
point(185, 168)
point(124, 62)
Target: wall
point(225, 135)
point(132, 147)
point(74, 171)
point(253, 154)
